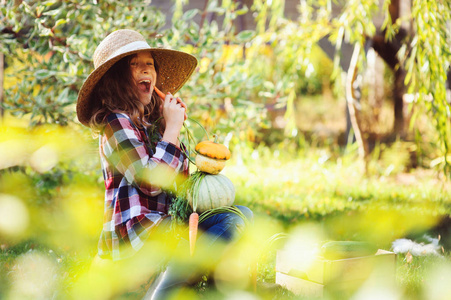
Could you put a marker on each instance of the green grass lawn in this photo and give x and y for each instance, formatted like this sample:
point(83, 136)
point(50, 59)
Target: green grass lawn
point(330, 194)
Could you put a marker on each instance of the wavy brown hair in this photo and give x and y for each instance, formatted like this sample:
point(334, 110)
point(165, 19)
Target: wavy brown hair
point(116, 91)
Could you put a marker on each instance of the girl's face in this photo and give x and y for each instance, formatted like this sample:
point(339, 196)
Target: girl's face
point(144, 75)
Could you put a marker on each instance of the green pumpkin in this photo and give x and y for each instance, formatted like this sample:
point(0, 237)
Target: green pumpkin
point(213, 191)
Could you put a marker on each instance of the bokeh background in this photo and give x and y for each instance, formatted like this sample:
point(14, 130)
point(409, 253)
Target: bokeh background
point(336, 112)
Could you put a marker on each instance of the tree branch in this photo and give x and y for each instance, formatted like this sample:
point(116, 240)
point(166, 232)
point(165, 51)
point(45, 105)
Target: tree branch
point(351, 99)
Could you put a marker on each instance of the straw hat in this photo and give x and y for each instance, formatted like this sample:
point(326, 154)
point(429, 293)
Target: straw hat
point(175, 67)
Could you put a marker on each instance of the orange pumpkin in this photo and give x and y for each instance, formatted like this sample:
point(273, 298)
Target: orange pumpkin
point(211, 157)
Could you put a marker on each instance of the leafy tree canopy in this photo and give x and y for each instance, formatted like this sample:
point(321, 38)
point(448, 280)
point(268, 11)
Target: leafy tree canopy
point(239, 72)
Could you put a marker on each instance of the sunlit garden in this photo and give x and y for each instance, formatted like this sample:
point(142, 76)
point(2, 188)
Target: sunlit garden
point(350, 194)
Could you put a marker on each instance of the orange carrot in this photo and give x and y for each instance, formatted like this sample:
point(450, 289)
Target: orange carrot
point(163, 96)
point(193, 223)
point(160, 93)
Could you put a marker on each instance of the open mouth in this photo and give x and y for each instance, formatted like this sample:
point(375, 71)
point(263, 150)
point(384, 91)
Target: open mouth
point(144, 86)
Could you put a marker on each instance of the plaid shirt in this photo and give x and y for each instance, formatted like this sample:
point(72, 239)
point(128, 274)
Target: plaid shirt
point(133, 170)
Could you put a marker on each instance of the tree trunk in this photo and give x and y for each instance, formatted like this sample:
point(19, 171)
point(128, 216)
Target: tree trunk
point(388, 51)
point(398, 92)
point(345, 59)
point(353, 110)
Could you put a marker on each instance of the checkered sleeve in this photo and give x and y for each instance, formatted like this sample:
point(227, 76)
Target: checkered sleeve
point(126, 149)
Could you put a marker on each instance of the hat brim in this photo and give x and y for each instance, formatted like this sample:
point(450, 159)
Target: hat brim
point(174, 69)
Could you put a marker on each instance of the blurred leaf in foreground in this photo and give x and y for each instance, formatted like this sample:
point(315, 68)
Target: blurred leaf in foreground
point(14, 217)
point(33, 276)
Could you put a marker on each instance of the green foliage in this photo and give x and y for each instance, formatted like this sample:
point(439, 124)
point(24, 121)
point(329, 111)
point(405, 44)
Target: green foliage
point(427, 61)
point(180, 208)
point(53, 42)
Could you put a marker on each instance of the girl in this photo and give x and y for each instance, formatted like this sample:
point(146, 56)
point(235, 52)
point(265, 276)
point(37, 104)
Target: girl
point(118, 101)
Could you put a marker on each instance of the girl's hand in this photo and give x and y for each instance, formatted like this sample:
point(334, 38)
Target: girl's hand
point(174, 114)
point(178, 101)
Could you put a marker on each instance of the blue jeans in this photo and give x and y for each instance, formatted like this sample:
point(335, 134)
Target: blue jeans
point(224, 226)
